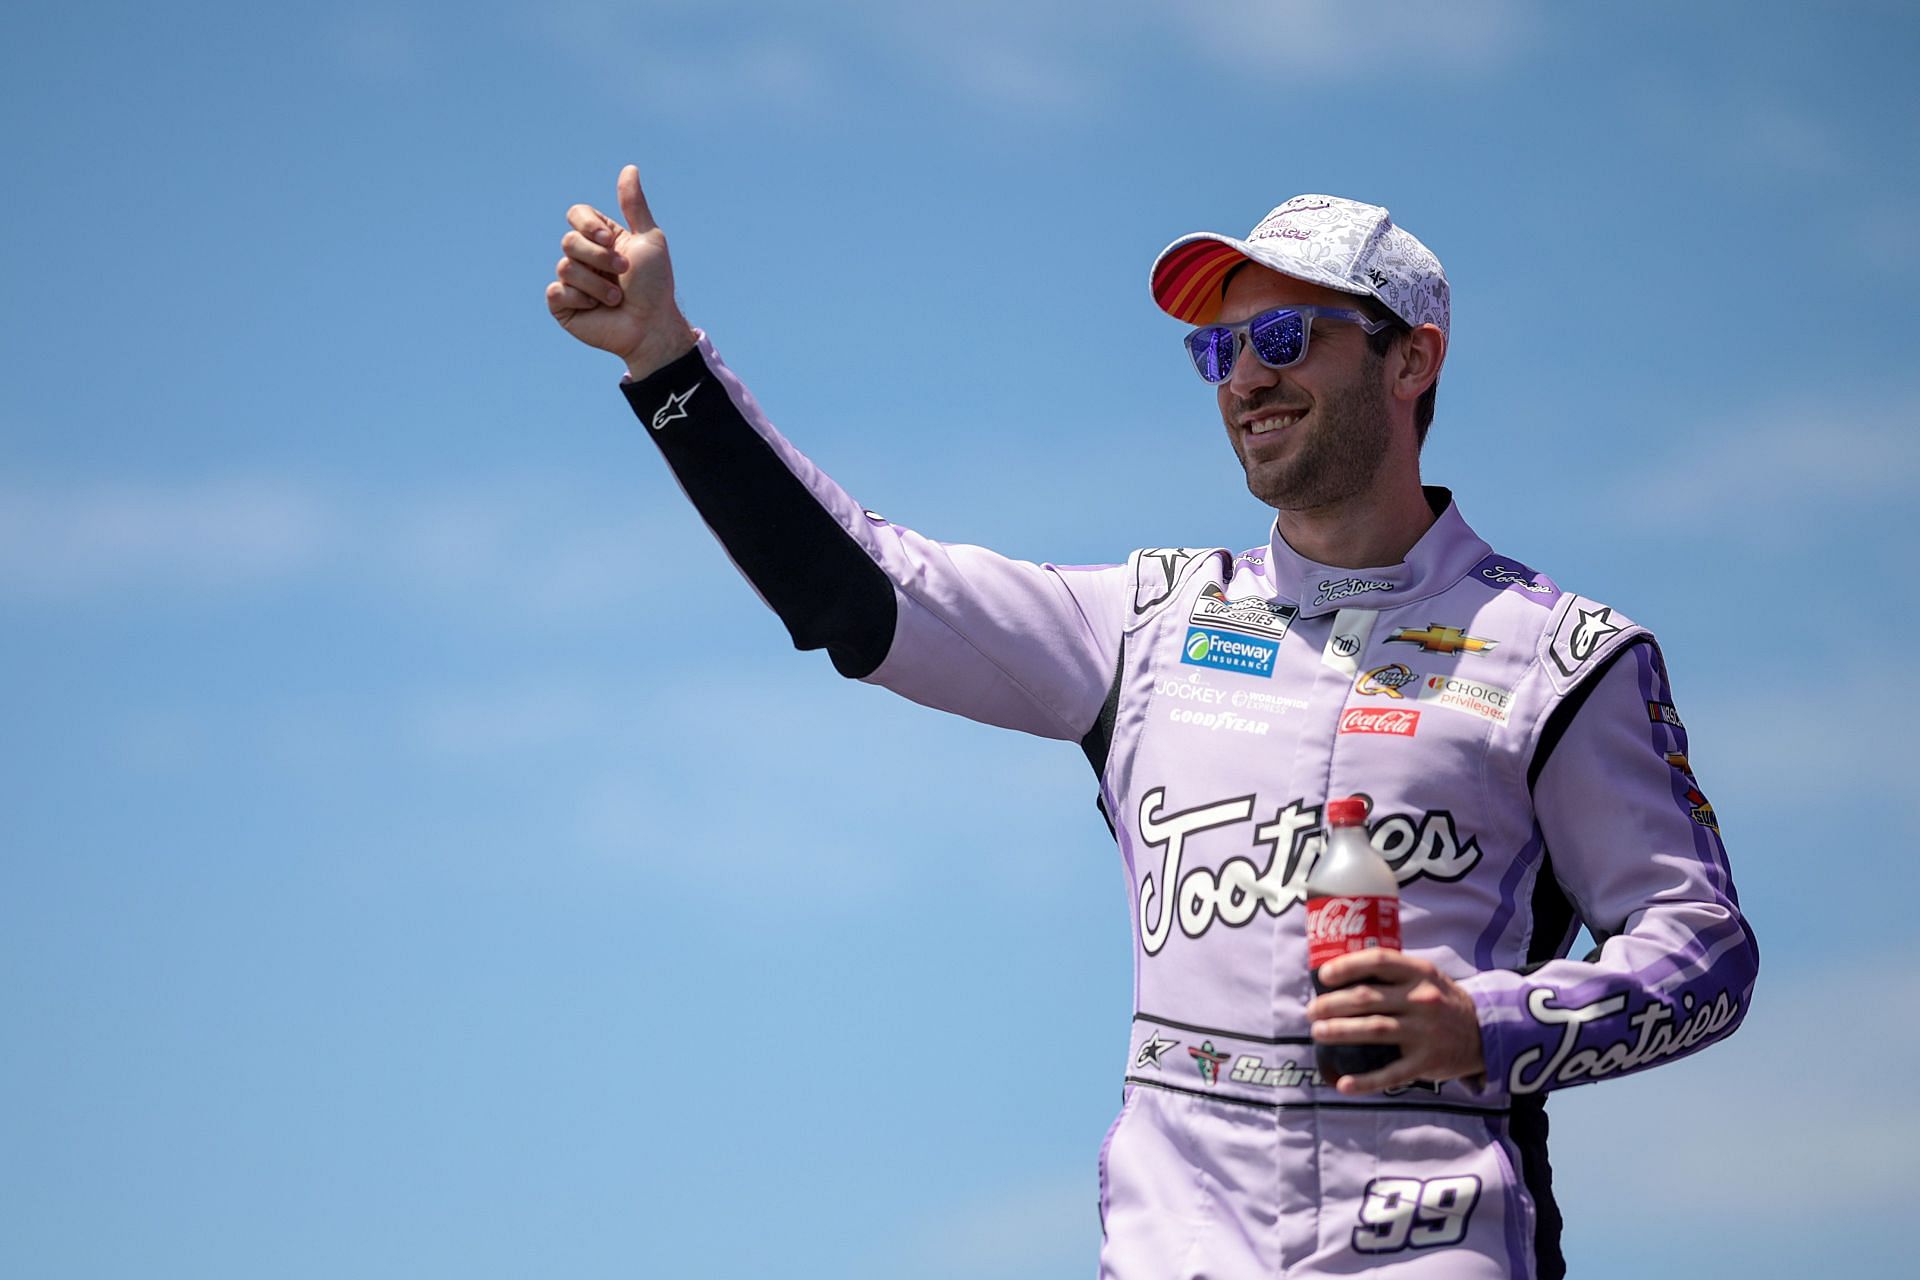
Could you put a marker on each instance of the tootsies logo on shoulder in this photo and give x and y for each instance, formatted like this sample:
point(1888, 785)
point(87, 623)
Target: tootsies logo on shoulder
point(1229, 651)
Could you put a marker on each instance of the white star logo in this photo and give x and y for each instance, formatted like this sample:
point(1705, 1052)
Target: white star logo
point(1595, 625)
point(675, 408)
point(1150, 1052)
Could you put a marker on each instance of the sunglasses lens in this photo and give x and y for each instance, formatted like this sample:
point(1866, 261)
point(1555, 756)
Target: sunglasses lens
point(1279, 337)
point(1212, 352)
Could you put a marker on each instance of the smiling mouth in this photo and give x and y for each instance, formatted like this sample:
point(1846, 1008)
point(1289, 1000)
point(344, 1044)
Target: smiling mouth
point(1261, 424)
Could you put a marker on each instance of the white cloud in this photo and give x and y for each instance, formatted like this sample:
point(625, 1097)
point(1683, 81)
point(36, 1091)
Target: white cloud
point(539, 549)
point(1786, 462)
point(209, 533)
point(516, 548)
point(1884, 235)
point(376, 44)
point(1012, 55)
point(1328, 38)
point(1032, 1229)
point(1775, 136)
point(1812, 732)
point(671, 54)
point(494, 722)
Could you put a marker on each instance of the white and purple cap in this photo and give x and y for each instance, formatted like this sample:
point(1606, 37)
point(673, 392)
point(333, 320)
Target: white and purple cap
point(1323, 240)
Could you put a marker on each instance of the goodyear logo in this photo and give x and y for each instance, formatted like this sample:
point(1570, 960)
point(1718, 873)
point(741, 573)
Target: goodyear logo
point(1229, 651)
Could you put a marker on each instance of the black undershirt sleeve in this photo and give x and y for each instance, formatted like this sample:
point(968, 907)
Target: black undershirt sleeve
point(815, 576)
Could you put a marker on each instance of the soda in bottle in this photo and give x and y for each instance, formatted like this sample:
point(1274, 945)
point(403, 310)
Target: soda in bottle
point(1353, 903)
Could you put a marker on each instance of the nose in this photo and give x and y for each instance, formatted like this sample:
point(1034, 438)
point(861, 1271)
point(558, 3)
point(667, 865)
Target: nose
point(1248, 374)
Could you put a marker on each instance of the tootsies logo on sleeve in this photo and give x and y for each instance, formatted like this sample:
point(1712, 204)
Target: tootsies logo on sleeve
point(1414, 845)
point(1657, 1030)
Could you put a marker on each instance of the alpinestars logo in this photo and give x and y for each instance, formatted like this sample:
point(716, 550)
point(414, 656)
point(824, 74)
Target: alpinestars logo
point(675, 408)
point(1414, 845)
point(1580, 635)
point(1595, 625)
point(1159, 569)
point(1152, 1051)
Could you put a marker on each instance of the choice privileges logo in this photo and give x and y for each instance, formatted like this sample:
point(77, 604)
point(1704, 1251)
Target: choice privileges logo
point(1229, 651)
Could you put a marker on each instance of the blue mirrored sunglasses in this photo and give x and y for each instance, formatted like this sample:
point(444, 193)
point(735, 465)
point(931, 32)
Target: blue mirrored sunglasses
point(1278, 338)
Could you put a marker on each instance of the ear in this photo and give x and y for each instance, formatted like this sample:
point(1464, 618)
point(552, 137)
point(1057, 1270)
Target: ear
point(1420, 355)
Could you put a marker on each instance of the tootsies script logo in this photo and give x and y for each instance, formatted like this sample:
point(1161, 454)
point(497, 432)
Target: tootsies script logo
point(1502, 574)
point(1413, 845)
point(1342, 588)
point(1653, 1034)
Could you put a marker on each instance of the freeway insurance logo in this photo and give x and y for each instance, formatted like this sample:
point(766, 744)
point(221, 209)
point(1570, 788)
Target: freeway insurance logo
point(1229, 651)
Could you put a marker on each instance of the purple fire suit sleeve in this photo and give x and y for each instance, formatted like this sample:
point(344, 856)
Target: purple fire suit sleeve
point(1635, 849)
point(1004, 641)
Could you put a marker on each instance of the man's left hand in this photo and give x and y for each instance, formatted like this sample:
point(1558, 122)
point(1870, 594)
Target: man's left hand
point(1402, 1000)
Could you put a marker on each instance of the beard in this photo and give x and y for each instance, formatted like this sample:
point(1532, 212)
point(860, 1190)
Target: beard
point(1343, 450)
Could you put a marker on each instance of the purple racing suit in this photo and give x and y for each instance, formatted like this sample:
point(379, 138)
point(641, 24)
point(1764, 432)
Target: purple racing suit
point(1528, 774)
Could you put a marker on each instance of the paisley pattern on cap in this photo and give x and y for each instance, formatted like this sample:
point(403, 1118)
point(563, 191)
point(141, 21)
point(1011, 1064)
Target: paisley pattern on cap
point(1325, 240)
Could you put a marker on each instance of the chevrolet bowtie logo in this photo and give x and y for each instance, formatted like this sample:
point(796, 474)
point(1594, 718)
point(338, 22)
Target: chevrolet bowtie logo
point(1435, 638)
point(675, 408)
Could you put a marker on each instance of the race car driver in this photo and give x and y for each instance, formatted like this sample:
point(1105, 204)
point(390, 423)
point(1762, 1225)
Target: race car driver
point(1527, 769)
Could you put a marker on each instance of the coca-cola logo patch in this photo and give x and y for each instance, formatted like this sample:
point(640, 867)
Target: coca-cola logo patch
point(1391, 720)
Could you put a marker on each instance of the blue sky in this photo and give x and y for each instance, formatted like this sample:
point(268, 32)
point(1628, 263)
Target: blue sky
point(422, 856)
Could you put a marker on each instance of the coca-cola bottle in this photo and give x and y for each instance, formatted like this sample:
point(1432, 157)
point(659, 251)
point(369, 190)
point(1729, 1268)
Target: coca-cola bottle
point(1353, 903)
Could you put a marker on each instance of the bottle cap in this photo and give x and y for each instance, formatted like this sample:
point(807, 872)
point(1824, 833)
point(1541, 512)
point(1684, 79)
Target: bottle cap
point(1350, 811)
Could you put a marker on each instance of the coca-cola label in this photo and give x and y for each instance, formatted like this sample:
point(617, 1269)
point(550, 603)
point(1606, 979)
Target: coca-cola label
point(1380, 720)
point(1338, 925)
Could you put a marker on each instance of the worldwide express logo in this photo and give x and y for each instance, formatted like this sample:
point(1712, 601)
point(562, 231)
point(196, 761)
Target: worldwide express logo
point(1229, 651)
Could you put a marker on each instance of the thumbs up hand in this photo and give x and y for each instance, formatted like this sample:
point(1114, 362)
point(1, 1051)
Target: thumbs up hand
point(613, 289)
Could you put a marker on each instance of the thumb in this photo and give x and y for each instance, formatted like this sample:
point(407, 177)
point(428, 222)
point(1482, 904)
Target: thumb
point(633, 202)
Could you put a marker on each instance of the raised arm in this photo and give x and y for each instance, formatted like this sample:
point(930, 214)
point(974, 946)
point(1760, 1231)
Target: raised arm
point(1009, 642)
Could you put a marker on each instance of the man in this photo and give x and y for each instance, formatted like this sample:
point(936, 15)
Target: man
point(1526, 767)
